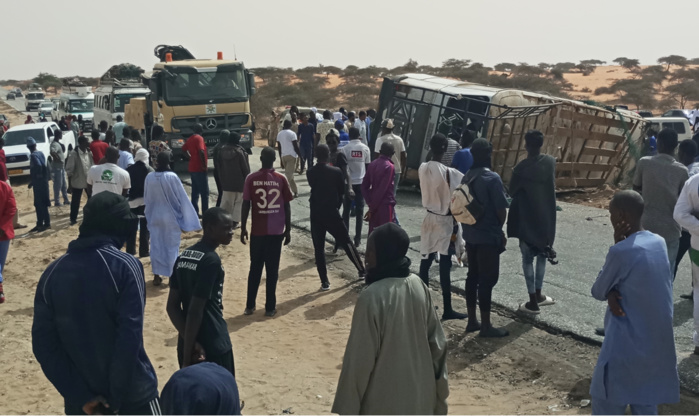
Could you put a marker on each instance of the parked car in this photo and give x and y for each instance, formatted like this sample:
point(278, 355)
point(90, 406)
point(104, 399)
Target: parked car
point(676, 113)
point(16, 151)
point(10, 96)
point(644, 113)
point(679, 124)
point(18, 92)
point(46, 107)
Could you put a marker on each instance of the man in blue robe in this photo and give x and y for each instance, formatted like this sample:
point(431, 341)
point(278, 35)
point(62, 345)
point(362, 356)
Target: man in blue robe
point(169, 213)
point(637, 365)
point(39, 180)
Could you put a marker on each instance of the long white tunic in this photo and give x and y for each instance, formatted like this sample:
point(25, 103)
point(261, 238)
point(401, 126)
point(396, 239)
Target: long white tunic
point(438, 225)
point(169, 213)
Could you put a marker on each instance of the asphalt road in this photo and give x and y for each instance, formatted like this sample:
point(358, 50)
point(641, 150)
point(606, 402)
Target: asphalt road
point(19, 104)
point(583, 238)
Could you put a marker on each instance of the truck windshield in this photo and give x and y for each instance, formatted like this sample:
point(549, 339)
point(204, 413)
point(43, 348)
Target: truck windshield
point(80, 106)
point(206, 87)
point(19, 137)
point(121, 100)
point(35, 96)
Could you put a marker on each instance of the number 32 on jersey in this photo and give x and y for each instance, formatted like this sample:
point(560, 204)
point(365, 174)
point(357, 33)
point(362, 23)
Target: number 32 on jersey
point(268, 199)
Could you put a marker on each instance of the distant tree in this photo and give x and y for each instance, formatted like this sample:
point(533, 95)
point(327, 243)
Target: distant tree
point(585, 69)
point(46, 81)
point(544, 66)
point(557, 74)
point(456, 64)
point(349, 71)
point(675, 60)
point(505, 66)
point(627, 63)
point(684, 87)
point(332, 70)
point(694, 61)
point(564, 66)
point(526, 69)
point(638, 92)
point(592, 62)
point(654, 73)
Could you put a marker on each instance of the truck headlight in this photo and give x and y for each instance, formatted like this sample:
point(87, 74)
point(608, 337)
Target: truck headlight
point(176, 143)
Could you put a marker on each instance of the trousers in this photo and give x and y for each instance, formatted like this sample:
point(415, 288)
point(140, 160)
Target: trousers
point(333, 224)
point(42, 201)
point(289, 168)
point(265, 253)
point(685, 245)
point(233, 203)
point(444, 276)
point(58, 175)
point(76, 195)
point(483, 274)
point(695, 290)
point(4, 249)
point(144, 238)
point(605, 407)
point(306, 155)
point(358, 212)
point(218, 188)
point(200, 187)
point(673, 247)
point(533, 277)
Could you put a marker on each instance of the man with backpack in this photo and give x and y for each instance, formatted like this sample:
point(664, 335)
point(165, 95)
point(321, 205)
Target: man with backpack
point(485, 239)
point(533, 191)
point(439, 234)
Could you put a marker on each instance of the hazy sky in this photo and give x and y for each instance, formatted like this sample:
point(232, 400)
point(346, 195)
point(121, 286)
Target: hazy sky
point(86, 37)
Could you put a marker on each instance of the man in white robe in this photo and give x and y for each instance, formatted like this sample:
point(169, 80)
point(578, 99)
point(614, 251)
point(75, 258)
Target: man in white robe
point(169, 213)
point(437, 182)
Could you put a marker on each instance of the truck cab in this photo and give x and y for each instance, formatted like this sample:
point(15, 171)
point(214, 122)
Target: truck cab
point(34, 99)
point(76, 100)
point(185, 91)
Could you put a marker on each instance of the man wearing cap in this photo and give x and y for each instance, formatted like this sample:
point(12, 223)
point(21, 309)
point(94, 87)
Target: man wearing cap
point(39, 180)
point(400, 157)
point(88, 327)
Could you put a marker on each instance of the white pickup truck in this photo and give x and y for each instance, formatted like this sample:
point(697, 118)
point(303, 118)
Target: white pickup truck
point(16, 151)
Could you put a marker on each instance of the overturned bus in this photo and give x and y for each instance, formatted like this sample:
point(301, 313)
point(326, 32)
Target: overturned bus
point(592, 145)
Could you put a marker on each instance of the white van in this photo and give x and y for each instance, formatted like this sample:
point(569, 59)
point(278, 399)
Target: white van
point(76, 101)
point(16, 151)
point(679, 124)
point(34, 98)
point(111, 99)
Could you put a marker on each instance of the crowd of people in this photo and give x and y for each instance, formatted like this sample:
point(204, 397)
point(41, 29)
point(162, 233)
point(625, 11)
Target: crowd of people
point(395, 320)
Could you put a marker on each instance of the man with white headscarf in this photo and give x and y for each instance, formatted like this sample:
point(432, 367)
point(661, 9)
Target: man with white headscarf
point(169, 213)
point(138, 172)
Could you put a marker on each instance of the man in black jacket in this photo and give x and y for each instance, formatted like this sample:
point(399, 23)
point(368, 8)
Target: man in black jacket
point(327, 193)
point(532, 216)
point(88, 318)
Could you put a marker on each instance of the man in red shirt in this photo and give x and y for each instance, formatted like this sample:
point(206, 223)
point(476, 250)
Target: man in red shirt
point(8, 208)
point(98, 147)
point(195, 149)
point(269, 195)
point(3, 161)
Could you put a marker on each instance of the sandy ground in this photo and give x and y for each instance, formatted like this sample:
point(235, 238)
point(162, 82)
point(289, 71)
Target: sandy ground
point(292, 361)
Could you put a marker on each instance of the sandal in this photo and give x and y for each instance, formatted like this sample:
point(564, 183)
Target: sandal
point(547, 301)
point(523, 308)
point(157, 280)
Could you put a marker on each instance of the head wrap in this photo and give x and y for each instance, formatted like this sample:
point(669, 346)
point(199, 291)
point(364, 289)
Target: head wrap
point(107, 214)
point(31, 141)
point(201, 389)
point(142, 155)
point(391, 244)
point(339, 125)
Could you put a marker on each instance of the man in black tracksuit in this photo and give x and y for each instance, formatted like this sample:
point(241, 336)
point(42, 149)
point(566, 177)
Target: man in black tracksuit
point(327, 193)
point(88, 318)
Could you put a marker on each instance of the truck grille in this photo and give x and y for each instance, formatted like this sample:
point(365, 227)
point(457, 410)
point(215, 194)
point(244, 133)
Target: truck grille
point(17, 158)
point(211, 123)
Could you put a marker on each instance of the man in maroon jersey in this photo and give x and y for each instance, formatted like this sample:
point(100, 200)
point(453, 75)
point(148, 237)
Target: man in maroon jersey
point(268, 194)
